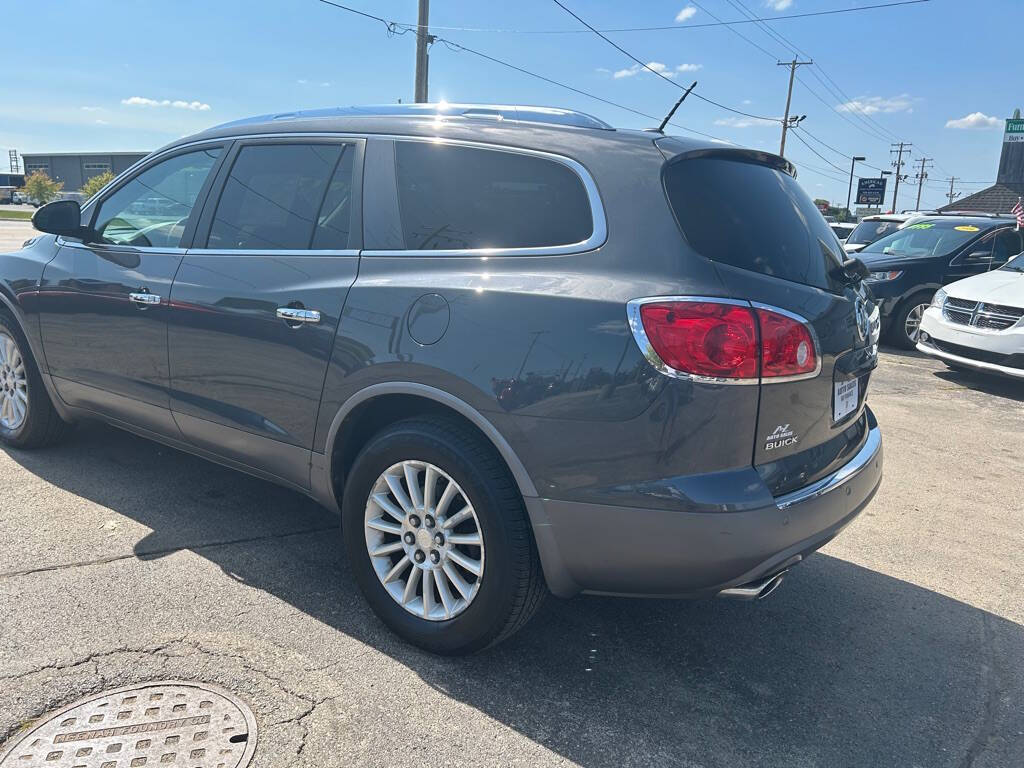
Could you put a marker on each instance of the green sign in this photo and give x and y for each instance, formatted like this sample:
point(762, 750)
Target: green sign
point(1014, 130)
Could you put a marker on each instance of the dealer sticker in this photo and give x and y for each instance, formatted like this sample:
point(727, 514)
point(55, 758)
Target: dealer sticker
point(845, 401)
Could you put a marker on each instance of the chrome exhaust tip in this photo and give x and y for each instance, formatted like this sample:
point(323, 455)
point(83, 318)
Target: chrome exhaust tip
point(754, 590)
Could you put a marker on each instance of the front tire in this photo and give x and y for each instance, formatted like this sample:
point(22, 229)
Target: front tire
point(906, 323)
point(27, 416)
point(438, 537)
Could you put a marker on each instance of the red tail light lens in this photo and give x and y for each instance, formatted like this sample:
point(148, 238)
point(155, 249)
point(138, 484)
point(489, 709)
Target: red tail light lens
point(787, 347)
point(728, 341)
point(703, 338)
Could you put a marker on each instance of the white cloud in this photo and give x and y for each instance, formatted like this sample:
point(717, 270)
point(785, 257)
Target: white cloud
point(91, 109)
point(977, 121)
point(655, 66)
point(870, 105)
point(747, 101)
point(604, 70)
point(745, 122)
point(687, 13)
point(102, 122)
point(778, 5)
point(302, 82)
point(142, 101)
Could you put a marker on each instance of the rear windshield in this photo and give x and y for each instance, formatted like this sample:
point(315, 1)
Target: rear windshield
point(753, 217)
point(869, 231)
point(926, 238)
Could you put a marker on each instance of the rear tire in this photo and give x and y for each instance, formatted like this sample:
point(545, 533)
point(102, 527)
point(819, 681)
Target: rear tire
point(27, 416)
point(510, 586)
point(906, 322)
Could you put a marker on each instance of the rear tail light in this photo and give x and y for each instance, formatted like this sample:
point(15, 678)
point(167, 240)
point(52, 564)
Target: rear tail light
point(721, 340)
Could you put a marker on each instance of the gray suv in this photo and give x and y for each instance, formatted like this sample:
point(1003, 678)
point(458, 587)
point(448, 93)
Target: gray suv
point(518, 350)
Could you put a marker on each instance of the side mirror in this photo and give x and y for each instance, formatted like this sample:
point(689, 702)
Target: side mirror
point(854, 270)
point(63, 217)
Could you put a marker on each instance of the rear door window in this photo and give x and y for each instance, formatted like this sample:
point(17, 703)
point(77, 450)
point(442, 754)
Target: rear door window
point(754, 217)
point(454, 197)
point(286, 197)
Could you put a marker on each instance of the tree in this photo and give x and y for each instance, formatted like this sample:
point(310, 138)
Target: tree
point(41, 188)
point(96, 183)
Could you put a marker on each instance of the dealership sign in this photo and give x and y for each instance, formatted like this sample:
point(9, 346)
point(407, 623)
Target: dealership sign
point(872, 191)
point(1014, 131)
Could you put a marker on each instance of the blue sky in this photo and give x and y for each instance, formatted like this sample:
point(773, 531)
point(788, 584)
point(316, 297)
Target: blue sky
point(134, 74)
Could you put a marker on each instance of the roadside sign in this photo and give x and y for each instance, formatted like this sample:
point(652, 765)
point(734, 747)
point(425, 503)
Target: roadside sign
point(1014, 131)
point(872, 191)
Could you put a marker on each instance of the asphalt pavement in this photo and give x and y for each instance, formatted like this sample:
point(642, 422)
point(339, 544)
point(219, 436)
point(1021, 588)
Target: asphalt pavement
point(900, 644)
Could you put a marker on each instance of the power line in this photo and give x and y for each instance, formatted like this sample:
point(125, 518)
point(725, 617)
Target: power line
point(675, 27)
point(818, 154)
point(458, 47)
point(669, 80)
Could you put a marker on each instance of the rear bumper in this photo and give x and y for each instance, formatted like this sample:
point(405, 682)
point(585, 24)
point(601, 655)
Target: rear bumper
point(616, 550)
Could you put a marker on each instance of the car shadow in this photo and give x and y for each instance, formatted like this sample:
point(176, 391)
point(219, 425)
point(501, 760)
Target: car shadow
point(842, 666)
point(989, 383)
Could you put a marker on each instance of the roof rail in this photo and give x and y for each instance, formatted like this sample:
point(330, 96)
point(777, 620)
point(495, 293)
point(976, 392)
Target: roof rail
point(977, 214)
point(497, 112)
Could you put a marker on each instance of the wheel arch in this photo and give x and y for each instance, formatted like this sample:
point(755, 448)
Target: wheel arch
point(377, 405)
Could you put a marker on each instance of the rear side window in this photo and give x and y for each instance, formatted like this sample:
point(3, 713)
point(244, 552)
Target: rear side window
point(752, 217)
point(286, 197)
point(456, 197)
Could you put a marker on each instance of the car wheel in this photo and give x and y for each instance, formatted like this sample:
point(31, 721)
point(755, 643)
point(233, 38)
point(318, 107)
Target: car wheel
point(438, 537)
point(27, 417)
point(906, 326)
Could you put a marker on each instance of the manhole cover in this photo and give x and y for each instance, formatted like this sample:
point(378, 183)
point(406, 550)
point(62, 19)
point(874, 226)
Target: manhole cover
point(156, 724)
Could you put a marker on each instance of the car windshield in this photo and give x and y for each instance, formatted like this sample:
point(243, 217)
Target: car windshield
point(869, 231)
point(926, 238)
point(1016, 264)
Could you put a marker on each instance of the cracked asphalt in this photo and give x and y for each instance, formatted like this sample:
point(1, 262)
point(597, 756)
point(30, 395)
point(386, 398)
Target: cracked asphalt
point(901, 644)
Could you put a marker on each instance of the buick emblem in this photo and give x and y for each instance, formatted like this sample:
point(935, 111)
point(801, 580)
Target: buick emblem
point(862, 319)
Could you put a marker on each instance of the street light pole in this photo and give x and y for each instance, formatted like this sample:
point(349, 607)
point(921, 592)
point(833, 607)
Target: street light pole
point(849, 190)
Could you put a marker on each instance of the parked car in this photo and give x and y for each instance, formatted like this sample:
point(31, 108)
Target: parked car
point(842, 231)
point(978, 322)
point(516, 355)
point(910, 265)
point(872, 228)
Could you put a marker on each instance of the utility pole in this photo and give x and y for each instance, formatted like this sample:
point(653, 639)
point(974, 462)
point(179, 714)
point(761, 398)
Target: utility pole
point(921, 176)
point(898, 165)
point(952, 195)
point(789, 98)
point(849, 190)
point(423, 39)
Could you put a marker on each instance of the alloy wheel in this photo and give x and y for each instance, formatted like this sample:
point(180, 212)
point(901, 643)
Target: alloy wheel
point(13, 384)
point(424, 540)
point(912, 326)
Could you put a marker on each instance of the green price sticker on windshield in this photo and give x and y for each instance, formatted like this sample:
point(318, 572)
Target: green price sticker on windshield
point(922, 225)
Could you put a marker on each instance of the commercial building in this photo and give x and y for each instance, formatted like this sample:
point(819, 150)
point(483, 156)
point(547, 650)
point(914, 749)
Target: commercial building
point(8, 183)
point(75, 168)
point(1009, 186)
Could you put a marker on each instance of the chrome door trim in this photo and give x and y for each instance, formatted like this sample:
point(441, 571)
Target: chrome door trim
point(145, 300)
point(298, 315)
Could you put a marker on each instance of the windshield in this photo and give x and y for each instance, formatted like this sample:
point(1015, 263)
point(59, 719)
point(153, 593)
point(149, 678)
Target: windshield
point(1016, 264)
point(869, 231)
point(927, 238)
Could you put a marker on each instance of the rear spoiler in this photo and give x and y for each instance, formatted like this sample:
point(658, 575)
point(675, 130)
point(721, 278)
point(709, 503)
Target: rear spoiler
point(737, 154)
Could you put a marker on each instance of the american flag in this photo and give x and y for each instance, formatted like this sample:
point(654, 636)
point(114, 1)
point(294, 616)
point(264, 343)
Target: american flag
point(1018, 211)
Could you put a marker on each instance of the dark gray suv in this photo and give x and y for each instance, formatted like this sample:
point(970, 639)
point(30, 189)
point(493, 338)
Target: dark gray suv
point(518, 350)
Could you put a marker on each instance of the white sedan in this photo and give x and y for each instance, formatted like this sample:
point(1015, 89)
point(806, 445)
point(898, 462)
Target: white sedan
point(979, 322)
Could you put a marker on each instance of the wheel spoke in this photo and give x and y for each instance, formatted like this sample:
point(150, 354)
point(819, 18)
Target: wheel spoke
point(395, 572)
point(428, 593)
point(399, 493)
point(412, 479)
point(468, 539)
point(473, 566)
point(384, 526)
point(460, 583)
point(446, 498)
point(429, 481)
point(446, 595)
point(387, 549)
point(458, 517)
point(382, 501)
point(410, 586)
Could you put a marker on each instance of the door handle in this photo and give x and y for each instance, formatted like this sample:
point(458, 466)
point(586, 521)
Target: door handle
point(295, 316)
point(144, 300)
